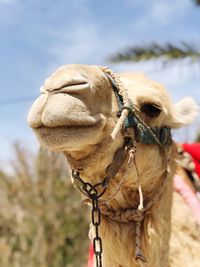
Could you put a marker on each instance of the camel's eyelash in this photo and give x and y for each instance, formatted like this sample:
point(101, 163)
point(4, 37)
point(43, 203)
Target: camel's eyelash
point(151, 109)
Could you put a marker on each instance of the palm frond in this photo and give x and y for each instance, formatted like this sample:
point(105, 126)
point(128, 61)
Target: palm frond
point(197, 2)
point(155, 51)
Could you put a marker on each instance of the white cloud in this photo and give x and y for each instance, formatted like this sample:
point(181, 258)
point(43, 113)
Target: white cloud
point(158, 12)
point(8, 1)
point(76, 44)
point(162, 11)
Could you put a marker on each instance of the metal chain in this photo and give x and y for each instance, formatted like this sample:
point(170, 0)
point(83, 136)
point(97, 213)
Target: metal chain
point(97, 242)
point(88, 189)
point(94, 192)
point(91, 192)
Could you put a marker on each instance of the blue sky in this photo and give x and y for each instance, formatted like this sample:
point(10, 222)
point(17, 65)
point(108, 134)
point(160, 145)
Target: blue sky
point(38, 36)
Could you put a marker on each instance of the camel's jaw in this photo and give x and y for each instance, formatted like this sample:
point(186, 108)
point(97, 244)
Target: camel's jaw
point(72, 137)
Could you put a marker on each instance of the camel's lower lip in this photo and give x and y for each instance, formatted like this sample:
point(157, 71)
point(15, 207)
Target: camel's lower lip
point(70, 123)
point(68, 130)
point(69, 127)
point(60, 138)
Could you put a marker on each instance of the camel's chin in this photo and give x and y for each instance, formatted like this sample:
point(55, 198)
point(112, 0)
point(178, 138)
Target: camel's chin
point(70, 138)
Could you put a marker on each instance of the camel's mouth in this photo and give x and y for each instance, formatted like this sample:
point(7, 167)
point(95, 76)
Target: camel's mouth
point(72, 127)
point(74, 121)
point(66, 137)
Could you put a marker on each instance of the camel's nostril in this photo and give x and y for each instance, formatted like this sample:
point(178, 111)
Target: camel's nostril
point(71, 88)
point(72, 83)
point(70, 79)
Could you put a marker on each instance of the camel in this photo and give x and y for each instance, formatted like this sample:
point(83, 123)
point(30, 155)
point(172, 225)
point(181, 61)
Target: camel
point(115, 132)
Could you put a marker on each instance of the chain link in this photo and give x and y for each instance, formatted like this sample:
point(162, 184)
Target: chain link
point(97, 242)
point(94, 192)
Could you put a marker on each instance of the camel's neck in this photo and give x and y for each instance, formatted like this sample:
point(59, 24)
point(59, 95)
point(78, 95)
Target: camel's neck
point(122, 193)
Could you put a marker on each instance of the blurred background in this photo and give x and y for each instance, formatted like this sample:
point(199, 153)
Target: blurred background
point(42, 222)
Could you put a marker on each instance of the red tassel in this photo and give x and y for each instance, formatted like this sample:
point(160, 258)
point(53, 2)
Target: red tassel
point(91, 256)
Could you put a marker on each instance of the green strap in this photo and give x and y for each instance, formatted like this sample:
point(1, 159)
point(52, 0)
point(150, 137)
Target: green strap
point(144, 134)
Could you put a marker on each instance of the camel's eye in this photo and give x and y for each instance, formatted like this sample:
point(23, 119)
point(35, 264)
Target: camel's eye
point(151, 110)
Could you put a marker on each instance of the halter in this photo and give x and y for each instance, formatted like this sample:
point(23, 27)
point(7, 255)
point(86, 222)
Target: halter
point(128, 119)
point(143, 133)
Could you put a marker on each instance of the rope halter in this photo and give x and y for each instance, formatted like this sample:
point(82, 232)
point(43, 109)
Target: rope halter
point(129, 121)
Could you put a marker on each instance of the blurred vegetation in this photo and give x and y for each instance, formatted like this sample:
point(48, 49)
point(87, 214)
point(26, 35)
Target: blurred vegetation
point(42, 222)
point(197, 2)
point(168, 52)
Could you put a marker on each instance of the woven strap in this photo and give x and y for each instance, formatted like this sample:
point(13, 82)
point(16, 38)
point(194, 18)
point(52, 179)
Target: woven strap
point(137, 216)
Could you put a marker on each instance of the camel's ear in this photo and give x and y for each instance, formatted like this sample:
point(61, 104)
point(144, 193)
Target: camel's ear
point(183, 112)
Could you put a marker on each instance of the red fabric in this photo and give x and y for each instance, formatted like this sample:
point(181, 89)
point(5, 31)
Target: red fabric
point(194, 151)
point(91, 256)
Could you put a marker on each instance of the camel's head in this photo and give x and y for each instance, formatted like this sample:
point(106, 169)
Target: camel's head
point(77, 107)
point(73, 110)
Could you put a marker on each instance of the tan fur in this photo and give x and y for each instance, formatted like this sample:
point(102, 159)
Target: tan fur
point(76, 115)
